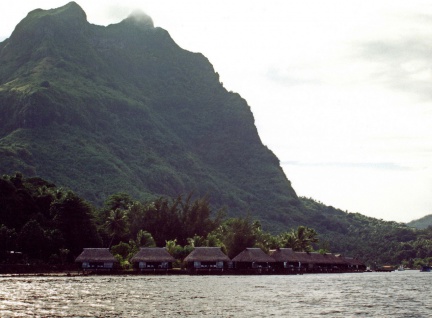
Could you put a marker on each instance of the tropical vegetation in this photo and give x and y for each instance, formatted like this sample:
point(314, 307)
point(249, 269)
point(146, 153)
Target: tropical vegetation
point(52, 225)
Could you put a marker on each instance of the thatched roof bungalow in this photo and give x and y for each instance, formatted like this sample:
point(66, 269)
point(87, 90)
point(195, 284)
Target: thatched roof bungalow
point(152, 258)
point(305, 260)
point(96, 258)
point(207, 258)
point(285, 259)
point(327, 262)
point(252, 259)
point(354, 264)
point(284, 255)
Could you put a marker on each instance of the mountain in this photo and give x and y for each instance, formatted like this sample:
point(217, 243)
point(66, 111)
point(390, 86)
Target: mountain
point(123, 108)
point(421, 223)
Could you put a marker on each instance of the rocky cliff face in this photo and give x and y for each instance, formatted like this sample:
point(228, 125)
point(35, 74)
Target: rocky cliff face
point(123, 108)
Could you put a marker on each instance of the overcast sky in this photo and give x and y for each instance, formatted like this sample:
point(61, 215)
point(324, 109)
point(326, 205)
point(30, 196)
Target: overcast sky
point(340, 90)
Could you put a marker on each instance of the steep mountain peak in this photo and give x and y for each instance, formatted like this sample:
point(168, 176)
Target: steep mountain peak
point(71, 10)
point(139, 18)
point(68, 13)
point(44, 33)
point(38, 23)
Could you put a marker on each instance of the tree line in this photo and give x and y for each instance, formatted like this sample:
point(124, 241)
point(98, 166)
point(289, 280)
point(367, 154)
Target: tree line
point(52, 225)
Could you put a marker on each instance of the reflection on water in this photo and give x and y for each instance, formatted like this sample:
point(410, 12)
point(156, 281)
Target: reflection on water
point(395, 294)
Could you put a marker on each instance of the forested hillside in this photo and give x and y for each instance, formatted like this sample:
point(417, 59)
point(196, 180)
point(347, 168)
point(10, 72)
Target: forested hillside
point(123, 108)
point(370, 239)
point(421, 223)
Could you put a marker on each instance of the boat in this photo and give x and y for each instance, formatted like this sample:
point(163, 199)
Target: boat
point(401, 268)
point(385, 268)
point(425, 268)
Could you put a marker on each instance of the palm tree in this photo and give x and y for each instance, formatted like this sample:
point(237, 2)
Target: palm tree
point(299, 240)
point(197, 241)
point(116, 223)
point(145, 239)
point(288, 240)
point(303, 238)
point(171, 246)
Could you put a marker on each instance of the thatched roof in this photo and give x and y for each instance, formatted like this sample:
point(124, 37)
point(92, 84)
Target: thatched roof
point(95, 255)
point(329, 258)
point(317, 258)
point(253, 255)
point(207, 254)
point(353, 261)
point(152, 254)
point(284, 255)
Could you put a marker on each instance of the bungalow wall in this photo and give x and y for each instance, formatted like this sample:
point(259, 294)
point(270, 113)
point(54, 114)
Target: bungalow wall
point(286, 265)
point(97, 265)
point(207, 265)
point(251, 265)
point(154, 265)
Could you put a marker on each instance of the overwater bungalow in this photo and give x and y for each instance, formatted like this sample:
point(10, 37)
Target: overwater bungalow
point(207, 259)
point(152, 259)
point(313, 262)
point(328, 263)
point(253, 261)
point(354, 264)
point(96, 259)
point(306, 261)
point(286, 260)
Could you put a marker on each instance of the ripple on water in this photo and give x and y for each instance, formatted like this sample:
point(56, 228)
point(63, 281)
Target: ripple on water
point(360, 295)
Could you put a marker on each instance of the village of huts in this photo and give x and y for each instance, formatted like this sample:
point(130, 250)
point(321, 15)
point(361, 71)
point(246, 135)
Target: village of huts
point(212, 260)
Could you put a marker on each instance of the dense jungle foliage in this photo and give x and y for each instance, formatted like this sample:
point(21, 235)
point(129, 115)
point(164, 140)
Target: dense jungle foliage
point(52, 225)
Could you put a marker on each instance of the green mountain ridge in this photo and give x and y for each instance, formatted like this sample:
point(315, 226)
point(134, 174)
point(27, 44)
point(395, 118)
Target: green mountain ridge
point(123, 108)
point(421, 223)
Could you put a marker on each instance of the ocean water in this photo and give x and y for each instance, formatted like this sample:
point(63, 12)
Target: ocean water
point(395, 294)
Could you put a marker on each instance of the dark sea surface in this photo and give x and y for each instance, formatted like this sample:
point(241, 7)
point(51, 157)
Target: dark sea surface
point(394, 294)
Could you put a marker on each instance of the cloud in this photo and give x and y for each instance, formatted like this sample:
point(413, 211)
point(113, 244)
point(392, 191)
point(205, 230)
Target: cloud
point(292, 76)
point(401, 63)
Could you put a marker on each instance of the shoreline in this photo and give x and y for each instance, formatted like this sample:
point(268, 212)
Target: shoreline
point(175, 272)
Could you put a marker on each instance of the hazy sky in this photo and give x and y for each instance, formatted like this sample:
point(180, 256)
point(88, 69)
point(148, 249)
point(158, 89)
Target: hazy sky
point(340, 90)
